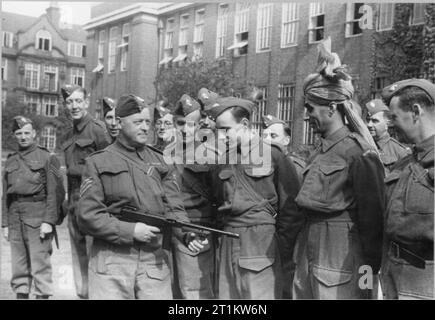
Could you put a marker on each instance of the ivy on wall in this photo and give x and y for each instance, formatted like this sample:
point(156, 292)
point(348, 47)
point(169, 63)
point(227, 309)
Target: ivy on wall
point(429, 43)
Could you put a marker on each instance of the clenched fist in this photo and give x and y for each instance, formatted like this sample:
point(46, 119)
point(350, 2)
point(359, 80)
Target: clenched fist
point(144, 232)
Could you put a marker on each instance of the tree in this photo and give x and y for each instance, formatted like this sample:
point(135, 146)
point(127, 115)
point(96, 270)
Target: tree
point(190, 76)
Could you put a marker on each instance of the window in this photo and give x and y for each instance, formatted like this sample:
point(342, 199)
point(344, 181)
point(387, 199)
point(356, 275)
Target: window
point(31, 75)
point(353, 17)
point(286, 102)
point(198, 31)
point(182, 54)
point(222, 26)
point(124, 45)
point(4, 96)
point(417, 16)
point(78, 76)
point(8, 39)
point(184, 29)
point(50, 78)
point(101, 42)
point(261, 109)
point(308, 130)
point(43, 40)
point(76, 49)
point(264, 26)
point(113, 37)
point(48, 138)
point(386, 16)
point(240, 45)
point(290, 24)
point(49, 106)
point(4, 69)
point(168, 45)
point(198, 49)
point(317, 22)
point(33, 103)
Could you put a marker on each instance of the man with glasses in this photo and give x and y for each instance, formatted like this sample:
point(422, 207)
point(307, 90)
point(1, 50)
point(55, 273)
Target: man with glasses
point(163, 125)
point(85, 137)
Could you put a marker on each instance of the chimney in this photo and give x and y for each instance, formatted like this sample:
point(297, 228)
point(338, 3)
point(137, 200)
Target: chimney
point(53, 13)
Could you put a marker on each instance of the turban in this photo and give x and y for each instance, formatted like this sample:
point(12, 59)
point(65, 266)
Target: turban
point(331, 83)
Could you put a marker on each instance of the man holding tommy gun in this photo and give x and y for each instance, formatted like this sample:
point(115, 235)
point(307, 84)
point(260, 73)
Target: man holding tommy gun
point(127, 260)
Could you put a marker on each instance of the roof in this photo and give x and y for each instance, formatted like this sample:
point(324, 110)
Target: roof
point(14, 22)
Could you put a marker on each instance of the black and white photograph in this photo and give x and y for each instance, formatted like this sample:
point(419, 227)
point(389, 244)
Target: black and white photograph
point(227, 152)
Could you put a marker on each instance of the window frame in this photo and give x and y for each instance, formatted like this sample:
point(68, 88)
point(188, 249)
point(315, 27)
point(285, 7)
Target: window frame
point(7, 35)
point(101, 44)
point(350, 10)
point(286, 103)
point(113, 44)
point(47, 38)
point(48, 138)
point(378, 22)
point(4, 70)
point(241, 28)
point(51, 69)
point(183, 38)
point(125, 43)
point(295, 21)
point(222, 29)
point(32, 68)
point(199, 27)
point(412, 16)
point(261, 109)
point(264, 31)
point(47, 103)
point(314, 15)
point(76, 74)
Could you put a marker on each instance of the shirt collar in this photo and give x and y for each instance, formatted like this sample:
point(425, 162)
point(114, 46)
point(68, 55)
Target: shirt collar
point(128, 150)
point(383, 139)
point(28, 150)
point(422, 149)
point(83, 122)
point(335, 137)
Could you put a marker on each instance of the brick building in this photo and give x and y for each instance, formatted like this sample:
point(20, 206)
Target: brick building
point(272, 45)
point(39, 55)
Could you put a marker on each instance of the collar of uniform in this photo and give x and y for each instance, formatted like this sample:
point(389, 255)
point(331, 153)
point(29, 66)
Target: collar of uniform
point(83, 122)
point(28, 150)
point(130, 150)
point(383, 139)
point(423, 148)
point(334, 138)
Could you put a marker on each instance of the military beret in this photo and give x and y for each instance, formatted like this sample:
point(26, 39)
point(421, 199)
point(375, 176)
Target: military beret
point(68, 89)
point(108, 105)
point(225, 103)
point(19, 121)
point(207, 98)
point(186, 105)
point(128, 105)
point(375, 106)
point(390, 91)
point(269, 120)
point(160, 110)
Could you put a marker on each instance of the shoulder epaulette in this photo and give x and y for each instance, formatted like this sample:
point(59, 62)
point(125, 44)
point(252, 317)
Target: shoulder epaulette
point(99, 123)
point(96, 152)
point(400, 144)
point(155, 149)
point(11, 154)
point(365, 146)
point(43, 148)
point(369, 151)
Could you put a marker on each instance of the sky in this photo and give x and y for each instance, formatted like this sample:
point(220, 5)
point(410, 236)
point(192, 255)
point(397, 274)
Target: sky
point(71, 12)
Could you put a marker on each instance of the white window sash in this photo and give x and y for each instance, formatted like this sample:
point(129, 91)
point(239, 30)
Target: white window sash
point(290, 24)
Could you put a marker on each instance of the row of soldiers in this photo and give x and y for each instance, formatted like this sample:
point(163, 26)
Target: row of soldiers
point(361, 205)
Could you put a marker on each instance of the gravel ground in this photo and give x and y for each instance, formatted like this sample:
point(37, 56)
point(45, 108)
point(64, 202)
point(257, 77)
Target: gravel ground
point(61, 262)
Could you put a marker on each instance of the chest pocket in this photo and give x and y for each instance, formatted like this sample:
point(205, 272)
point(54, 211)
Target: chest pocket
point(38, 172)
point(12, 171)
point(326, 184)
point(388, 160)
point(419, 192)
point(84, 147)
point(116, 181)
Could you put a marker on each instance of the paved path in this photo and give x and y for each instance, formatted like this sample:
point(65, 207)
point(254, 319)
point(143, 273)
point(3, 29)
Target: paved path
point(62, 270)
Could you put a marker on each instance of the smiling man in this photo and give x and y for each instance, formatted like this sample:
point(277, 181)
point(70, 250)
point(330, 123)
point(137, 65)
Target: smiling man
point(342, 195)
point(86, 136)
point(112, 124)
point(163, 125)
point(127, 258)
point(378, 120)
point(32, 195)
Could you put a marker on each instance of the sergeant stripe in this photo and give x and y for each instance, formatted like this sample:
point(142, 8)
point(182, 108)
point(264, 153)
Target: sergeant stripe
point(86, 184)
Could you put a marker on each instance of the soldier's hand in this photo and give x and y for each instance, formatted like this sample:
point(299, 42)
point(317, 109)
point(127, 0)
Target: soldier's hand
point(6, 233)
point(144, 232)
point(196, 244)
point(45, 229)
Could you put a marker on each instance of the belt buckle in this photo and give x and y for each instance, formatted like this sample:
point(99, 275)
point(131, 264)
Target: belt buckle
point(396, 250)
